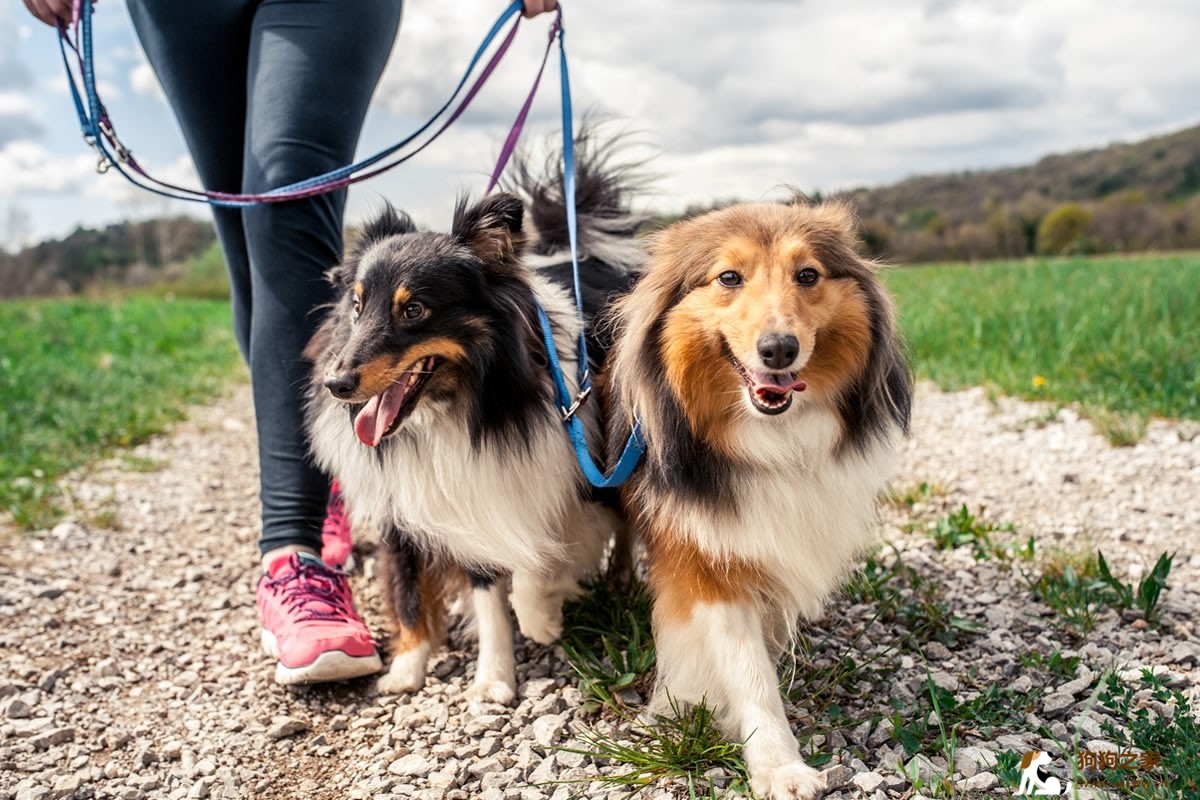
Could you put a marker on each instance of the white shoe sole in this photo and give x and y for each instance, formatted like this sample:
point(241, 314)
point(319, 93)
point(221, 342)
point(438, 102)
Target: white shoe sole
point(333, 665)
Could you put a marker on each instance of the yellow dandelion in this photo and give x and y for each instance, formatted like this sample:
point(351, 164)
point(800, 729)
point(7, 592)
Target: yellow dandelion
point(1038, 381)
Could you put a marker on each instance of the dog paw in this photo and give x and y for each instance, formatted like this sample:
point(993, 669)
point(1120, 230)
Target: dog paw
point(406, 674)
point(543, 629)
point(491, 691)
point(538, 609)
point(794, 781)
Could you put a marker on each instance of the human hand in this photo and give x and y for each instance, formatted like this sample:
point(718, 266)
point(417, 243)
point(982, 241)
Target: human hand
point(532, 7)
point(51, 11)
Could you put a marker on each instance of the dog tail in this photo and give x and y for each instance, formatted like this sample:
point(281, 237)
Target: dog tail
point(604, 184)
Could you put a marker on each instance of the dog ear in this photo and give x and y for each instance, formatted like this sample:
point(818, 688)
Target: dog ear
point(389, 222)
point(492, 228)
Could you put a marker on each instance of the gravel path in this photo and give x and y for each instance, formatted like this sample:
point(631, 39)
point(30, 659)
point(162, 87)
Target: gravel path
point(130, 666)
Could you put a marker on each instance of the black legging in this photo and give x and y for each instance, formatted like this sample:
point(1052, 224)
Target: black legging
point(268, 92)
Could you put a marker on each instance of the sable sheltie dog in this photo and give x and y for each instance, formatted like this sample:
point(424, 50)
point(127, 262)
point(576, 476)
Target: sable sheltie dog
point(759, 354)
point(432, 403)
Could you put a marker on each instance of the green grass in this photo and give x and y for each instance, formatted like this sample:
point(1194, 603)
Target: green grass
point(1077, 586)
point(682, 746)
point(80, 378)
point(1167, 727)
point(608, 642)
point(1118, 334)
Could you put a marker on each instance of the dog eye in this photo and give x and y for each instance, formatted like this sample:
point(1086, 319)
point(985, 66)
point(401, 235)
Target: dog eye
point(413, 311)
point(807, 276)
point(729, 279)
point(357, 307)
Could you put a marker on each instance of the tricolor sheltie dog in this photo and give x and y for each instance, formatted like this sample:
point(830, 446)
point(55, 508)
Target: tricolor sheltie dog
point(759, 353)
point(433, 405)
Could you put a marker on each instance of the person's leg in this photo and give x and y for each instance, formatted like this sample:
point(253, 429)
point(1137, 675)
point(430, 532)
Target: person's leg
point(199, 52)
point(312, 70)
point(203, 54)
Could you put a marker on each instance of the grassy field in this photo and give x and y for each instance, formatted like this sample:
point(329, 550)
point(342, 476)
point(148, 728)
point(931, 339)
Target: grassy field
point(1113, 334)
point(79, 378)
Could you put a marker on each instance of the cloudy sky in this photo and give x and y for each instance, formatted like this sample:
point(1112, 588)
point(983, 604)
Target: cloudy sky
point(734, 96)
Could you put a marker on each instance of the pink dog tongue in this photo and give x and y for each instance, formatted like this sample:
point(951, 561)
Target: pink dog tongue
point(378, 414)
point(794, 386)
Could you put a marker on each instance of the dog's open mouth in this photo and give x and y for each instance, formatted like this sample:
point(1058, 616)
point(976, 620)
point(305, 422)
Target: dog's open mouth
point(382, 414)
point(770, 392)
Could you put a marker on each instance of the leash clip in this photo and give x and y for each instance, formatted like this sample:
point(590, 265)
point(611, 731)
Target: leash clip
point(102, 165)
point(110, 133)
point(580, 399)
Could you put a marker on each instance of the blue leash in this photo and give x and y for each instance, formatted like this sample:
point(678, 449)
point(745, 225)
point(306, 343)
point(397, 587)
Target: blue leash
point(635, 446)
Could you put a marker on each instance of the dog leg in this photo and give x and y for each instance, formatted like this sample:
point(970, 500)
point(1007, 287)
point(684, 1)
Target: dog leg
point(538, 597)
point(719, 654)
point(712, 646)
point(414, 601)
point(496, 672)
point(537, 600)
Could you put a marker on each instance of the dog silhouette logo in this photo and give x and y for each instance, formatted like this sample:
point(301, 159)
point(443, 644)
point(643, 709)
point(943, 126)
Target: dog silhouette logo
point(1036, 781)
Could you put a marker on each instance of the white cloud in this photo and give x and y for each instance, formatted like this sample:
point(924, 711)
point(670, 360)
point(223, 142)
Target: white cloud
point(145, 82)
point(29, 168)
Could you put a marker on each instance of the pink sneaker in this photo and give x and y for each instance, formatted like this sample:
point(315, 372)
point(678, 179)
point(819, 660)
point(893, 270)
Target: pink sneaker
point(310, 625)
point(337, 546)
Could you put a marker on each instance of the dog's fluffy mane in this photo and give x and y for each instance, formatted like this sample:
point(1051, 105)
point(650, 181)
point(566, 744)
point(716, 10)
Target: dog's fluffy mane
point(605, 180)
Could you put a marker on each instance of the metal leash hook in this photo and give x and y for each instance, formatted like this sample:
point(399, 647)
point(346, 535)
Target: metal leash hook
point(580, 399)
point(123, 153)
point(102, 164)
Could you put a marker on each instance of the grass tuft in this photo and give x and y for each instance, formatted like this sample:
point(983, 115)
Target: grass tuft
point(683, 746)
point(1078, 586)
point(607, 640)
point(1166, 726)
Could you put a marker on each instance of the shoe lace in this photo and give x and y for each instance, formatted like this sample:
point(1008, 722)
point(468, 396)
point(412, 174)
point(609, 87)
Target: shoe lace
point(313, 591)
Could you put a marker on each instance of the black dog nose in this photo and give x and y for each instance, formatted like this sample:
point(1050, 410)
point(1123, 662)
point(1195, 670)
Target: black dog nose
point(778, 350)
point(341, 385)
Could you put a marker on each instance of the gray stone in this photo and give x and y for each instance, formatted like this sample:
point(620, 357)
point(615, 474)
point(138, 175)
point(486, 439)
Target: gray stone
point(837, 776)
point(971, 760)
point(413, 764)
point(200, 789)
point(919, 767)
point(283, 727)
point(868, 781)
point(546, 730)
point(52, 738)
point(18, 709)
point(983, 782)
point(1055, 703)
point(484, 723)
point(66, 786)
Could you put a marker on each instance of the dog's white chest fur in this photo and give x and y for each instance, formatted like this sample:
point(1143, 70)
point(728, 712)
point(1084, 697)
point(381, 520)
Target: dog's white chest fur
point(478, 504)
point(802, 514)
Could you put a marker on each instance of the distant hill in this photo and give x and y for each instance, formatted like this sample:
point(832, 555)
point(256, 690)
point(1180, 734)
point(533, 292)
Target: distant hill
point(126, 254)
point(1119, 198)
